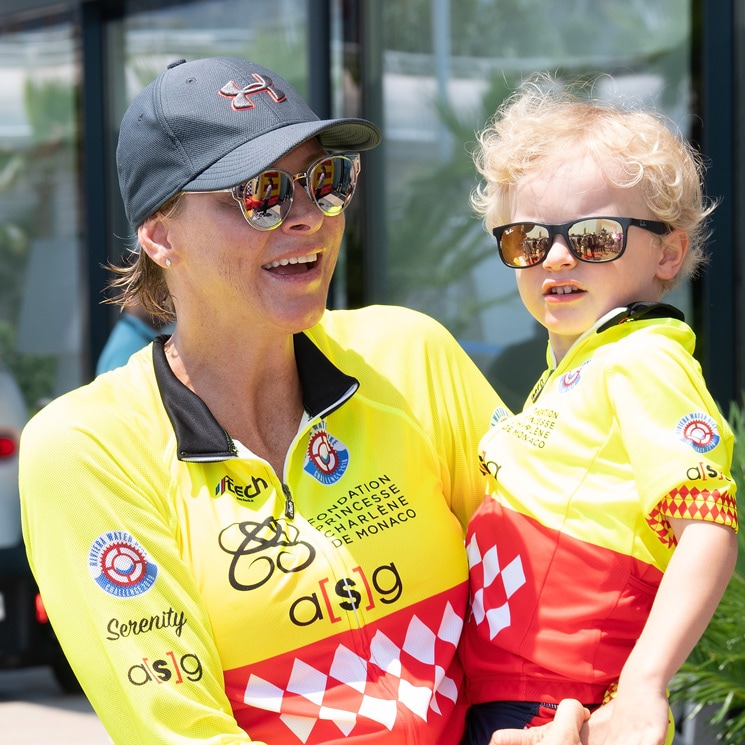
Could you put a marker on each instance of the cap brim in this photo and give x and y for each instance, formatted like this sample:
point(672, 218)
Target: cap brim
point(249, 159)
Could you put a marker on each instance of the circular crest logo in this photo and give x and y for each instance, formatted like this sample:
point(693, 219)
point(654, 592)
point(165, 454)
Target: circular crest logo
point(120, 566)
point(571, 379)
point(499, 414)
point(327, 458)
point(699, 431)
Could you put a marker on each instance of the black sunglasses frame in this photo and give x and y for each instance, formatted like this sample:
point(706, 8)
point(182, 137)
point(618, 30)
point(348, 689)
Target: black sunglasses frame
point(562, 229)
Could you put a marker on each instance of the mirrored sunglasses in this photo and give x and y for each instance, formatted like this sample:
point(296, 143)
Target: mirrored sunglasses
point(266, 199)
point(595, 240)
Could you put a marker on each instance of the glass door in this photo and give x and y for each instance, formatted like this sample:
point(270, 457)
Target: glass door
point(446, 67)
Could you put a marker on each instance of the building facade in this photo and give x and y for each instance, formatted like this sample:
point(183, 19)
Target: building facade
point(429, 72)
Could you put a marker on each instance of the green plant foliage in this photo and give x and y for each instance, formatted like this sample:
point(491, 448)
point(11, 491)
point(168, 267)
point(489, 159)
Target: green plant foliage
point(434, 241)
point(50, 108)
point(534, 29)
point(29, 176)
point(714, 674)
point(34, 373)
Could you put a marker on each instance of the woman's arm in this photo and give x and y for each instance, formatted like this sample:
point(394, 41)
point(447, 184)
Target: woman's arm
point(122, 602)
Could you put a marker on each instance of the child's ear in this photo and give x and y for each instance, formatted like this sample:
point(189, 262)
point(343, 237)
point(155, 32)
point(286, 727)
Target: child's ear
point(672, 255)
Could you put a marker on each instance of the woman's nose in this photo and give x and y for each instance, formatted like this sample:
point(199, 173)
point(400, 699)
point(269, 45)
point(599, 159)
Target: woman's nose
point(304, 213)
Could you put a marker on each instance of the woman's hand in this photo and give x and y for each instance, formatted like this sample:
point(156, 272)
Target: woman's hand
point(564, 730)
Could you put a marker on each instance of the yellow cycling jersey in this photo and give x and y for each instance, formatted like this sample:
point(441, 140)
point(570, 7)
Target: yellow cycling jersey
point(568, 550)
point(200, 596)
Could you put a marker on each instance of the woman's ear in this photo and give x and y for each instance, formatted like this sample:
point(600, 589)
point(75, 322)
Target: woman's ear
point(152, 236)
point(672, 255)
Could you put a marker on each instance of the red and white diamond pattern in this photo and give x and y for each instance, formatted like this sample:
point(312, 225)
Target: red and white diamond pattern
point(492, 586)
point(345, 693)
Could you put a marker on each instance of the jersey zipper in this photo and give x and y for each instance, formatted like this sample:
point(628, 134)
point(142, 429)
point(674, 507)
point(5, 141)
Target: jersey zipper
point(289, 504)
point(565, 363)
point(540, 385)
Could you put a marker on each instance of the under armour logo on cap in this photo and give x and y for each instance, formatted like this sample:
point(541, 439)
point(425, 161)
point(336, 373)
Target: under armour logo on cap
point(178, 134)
point(242, 96)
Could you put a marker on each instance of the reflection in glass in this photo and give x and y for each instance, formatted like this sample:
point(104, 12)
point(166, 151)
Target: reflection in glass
point(40, 251)
point(440, 260)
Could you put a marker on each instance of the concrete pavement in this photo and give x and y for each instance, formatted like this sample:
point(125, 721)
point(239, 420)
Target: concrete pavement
point(35, 711)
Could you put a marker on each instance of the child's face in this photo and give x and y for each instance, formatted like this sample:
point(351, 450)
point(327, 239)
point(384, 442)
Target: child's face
point(565, 294)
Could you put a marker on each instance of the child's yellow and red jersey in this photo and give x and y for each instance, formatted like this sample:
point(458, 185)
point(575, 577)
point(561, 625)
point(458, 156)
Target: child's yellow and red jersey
point(202, 597)
point(569, 547)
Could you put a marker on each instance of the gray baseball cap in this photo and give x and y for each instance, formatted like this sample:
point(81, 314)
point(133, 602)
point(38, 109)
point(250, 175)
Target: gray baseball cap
point(210, 124)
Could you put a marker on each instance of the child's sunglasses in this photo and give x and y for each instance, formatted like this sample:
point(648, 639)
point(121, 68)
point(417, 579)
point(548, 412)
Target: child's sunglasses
point(595, 240)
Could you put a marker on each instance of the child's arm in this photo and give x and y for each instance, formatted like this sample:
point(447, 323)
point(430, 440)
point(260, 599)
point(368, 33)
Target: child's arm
point(689, 593)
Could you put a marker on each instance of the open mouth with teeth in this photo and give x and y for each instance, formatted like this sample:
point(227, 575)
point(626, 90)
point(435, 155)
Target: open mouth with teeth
point(293, 265)
point(564, 290)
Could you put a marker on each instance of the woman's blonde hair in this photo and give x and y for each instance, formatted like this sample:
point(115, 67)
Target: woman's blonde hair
point(140, 281)
point(544, 122)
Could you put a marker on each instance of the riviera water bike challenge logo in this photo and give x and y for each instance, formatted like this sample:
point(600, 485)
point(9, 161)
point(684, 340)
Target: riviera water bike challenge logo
point(120, 566)
point(327, 458)
point(699, 431)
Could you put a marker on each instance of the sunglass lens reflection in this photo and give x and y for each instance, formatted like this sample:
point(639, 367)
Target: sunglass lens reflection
point(332, 183)
point(524, 244)
point(596, 240)
point(266, 199)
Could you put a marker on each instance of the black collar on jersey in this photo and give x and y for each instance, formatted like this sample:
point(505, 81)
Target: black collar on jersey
point(199, 435)
point(633, 312)
point(642, 311)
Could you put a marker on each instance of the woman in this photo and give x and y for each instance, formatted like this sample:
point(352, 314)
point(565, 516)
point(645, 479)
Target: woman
point(253, 531)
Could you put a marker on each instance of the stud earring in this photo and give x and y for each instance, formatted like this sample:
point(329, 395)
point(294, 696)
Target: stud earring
point(168, 262)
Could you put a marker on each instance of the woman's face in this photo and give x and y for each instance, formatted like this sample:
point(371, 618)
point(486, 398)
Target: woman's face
point(566, 295)
point(222, 268)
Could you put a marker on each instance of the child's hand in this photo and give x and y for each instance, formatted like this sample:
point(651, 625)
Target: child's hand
point(640, 717)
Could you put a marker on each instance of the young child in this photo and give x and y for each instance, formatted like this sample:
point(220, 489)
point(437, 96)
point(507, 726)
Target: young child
point(607, 535)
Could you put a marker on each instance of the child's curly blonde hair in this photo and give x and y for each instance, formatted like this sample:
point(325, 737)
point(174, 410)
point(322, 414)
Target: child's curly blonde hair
point(544, 122)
